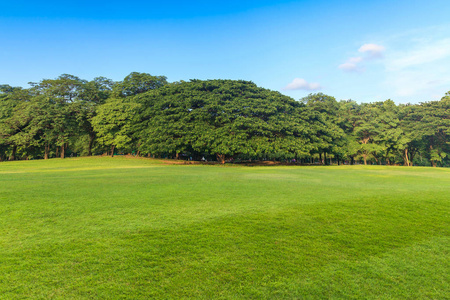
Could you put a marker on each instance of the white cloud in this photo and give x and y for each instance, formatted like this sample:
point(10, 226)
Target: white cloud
point(421, 69)
point(420, 55)
point(410, 66)
point(355, 59)
point(351, 65)
point(355, 64)
point(302, 84)
point(372, 50)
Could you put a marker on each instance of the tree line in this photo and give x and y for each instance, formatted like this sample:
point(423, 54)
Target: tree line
point(222, 120)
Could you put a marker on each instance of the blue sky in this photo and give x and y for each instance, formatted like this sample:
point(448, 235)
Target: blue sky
point(361, 50)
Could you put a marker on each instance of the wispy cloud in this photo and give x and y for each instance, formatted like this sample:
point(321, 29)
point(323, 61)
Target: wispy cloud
point(420, 69)
point(372, 50)
point(352, 65)
point(408, 66)
point(369, 51)
point(302, 84)
point(421, 54)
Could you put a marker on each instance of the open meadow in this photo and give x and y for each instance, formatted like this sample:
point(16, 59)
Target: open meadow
point(123, 228)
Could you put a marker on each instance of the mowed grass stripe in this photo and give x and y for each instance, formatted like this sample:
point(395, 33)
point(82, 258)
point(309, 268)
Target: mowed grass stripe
point(134, 229)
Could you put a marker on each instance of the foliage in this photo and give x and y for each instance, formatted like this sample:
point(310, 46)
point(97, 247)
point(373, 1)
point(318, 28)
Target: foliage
point(137, 83)
point(224, 120)
point(112, 123)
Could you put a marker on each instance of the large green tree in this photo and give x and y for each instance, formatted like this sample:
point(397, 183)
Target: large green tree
point(326, 135)
point(55, 115)
point(113, 123)
point(92, 94)
point(224, 118)
point(432, 124)
point(137, 83)
point(14, 120)
point(215, 118)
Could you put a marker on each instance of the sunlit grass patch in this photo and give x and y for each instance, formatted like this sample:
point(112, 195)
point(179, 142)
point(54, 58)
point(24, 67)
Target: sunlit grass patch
point(135, 228)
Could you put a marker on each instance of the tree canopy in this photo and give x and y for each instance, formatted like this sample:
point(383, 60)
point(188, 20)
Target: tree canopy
point(223, 120)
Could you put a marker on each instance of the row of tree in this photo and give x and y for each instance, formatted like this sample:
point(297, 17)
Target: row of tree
point(215, 119)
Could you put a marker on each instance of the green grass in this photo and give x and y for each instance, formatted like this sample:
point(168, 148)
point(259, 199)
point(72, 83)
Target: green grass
point(118, 228)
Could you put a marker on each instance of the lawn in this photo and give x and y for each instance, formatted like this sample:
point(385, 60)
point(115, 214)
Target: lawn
point(120, 228)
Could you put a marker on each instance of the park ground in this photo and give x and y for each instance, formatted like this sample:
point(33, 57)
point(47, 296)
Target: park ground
point(127, 228)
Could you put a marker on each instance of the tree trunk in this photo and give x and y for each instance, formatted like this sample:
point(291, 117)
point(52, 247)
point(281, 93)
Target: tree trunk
point(63, 152)
point(138, 151)
point(433, 163)
point(112, 150)
point(46, 151)
point(177, 155)
point(325, 158)
point(411, 157)
point(320, 158)
point(220, 158)
point(13, 153)
point(365, 141)
point(91, 143)
point(376, 160)
point(352, 161)
point(405, 158)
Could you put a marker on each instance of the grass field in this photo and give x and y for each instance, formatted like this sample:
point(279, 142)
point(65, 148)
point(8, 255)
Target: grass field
point(116, 228)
